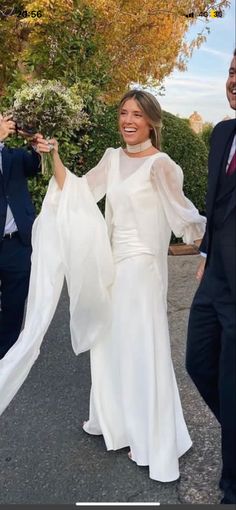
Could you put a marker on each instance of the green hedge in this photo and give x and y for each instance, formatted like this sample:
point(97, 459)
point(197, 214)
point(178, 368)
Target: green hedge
point(205, 135)
point(190, 152)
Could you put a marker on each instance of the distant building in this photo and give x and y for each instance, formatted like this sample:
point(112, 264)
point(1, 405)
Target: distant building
point(196, 122)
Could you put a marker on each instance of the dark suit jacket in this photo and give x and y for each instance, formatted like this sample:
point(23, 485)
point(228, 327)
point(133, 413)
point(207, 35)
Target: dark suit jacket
point(221, 142)
point(18, 164)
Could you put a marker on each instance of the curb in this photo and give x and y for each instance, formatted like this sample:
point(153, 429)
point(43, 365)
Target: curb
point(183, 249)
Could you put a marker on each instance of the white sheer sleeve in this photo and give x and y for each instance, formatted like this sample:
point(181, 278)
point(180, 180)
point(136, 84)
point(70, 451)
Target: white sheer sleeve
point(69, 240)
point(97, 176)
point(182, 216)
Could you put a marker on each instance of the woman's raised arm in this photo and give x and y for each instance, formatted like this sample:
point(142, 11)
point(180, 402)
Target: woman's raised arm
point(96, 177)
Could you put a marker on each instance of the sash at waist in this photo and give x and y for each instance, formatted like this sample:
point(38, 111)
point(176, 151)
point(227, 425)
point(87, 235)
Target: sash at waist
point(126, 243)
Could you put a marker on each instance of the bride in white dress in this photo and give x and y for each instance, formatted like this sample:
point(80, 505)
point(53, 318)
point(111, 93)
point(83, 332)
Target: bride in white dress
point(134, 398)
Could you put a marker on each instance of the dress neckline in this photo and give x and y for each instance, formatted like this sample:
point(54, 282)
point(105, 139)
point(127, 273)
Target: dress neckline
point(141, 157)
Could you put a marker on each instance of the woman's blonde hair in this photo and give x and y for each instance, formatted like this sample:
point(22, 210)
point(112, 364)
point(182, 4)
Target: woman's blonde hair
point(151, 108)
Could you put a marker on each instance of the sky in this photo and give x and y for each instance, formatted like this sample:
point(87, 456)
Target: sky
point(202, 87)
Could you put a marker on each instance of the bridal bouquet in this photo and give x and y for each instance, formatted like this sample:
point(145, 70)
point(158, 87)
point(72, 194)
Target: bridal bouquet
point(50, 108)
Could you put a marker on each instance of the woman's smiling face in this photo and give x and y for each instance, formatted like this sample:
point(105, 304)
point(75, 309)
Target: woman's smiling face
point(133, 123)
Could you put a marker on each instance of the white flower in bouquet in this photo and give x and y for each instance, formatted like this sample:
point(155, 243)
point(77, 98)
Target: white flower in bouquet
point(50, 108)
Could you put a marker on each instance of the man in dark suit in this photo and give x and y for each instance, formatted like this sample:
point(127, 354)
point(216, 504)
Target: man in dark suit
point(17, 214)
point(211, 343)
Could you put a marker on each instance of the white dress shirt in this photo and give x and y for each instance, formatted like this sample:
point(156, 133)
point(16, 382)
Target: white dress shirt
point(10, 225)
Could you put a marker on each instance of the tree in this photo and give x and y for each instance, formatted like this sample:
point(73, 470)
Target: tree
point(145, 38)
point(110, 42)
point(64, 43)
point(51, 39)
point(12, 37)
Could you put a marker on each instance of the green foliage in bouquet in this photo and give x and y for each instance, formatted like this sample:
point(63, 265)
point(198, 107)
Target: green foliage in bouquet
point(50, 108)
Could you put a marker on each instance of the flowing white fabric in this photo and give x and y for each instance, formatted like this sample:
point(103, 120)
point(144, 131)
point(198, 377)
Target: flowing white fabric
point(119, 312)
point(69, 239)
point(182, 215)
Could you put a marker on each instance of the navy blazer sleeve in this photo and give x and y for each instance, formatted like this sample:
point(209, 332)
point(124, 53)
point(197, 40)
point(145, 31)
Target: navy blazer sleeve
point(31, 162)
point(219, 145)
point(204, 244)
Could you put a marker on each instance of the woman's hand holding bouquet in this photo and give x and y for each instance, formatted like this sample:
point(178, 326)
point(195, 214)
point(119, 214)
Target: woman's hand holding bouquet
point(40, 109)
point(45, 147)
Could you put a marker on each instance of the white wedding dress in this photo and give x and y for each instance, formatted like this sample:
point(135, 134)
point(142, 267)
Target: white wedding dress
point(134, 397)
point(116, 274)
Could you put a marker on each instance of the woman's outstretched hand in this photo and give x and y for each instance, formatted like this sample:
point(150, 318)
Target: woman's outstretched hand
point(45, 146)
point(42, 145)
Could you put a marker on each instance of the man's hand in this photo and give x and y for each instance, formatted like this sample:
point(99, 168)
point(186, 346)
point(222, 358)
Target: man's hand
point(7, 127)
point(201, 269)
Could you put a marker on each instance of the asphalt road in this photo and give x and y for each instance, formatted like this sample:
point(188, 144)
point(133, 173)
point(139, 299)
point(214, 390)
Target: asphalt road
point(45, 457)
